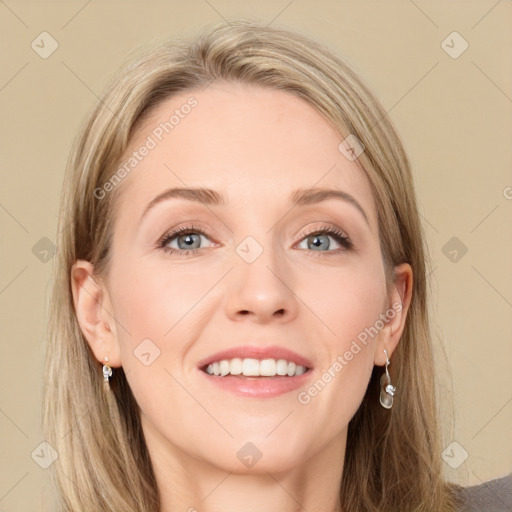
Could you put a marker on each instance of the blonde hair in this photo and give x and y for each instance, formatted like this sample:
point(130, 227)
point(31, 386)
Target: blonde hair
point(393, 457)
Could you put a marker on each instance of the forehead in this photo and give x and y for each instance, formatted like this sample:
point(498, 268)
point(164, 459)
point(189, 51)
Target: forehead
point(255, 145)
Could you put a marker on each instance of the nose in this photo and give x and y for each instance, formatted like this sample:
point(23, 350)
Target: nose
point(262, 291)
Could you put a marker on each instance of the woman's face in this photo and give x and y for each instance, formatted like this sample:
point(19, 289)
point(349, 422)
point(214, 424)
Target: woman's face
point(254, 270)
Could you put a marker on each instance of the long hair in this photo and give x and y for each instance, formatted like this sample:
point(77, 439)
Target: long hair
point(393, 457)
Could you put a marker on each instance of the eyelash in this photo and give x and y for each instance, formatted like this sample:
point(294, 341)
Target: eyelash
point(336, 233)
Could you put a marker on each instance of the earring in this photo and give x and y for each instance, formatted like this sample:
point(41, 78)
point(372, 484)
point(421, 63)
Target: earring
point(387, 390)
point(107, 371)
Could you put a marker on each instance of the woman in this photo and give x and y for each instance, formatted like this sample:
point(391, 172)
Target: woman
point(239, 314)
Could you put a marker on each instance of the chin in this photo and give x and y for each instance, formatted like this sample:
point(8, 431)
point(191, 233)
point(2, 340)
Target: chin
point(256, 455)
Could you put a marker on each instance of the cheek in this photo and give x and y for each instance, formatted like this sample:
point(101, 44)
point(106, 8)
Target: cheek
point(345, 300)
point(161, 312)
point(152, 301)
point(155, 313)
point(348, 304)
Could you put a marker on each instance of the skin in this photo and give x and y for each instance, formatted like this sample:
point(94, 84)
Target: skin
point(255, 146)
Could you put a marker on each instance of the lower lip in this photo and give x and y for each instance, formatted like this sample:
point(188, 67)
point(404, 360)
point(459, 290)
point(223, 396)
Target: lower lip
point(258, 387)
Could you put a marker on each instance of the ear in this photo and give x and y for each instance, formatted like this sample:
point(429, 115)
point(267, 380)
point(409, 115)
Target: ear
point(399, 296)
point(94, 313)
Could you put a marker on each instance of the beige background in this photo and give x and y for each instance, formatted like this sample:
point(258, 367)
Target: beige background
point(454, 115)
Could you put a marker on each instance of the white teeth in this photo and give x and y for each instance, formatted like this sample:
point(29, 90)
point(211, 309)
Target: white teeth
point(235, 366)
point(282, 367)
point(251, 367)
point(300, 370)
point(255, 368)
point(267, 368)
point(224, 367)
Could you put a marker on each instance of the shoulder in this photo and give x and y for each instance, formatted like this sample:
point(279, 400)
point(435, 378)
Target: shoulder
point(492, 496)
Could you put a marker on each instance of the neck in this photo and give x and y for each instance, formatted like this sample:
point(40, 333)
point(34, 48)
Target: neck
point(190, 484)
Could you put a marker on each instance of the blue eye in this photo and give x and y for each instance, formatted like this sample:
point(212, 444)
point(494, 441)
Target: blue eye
point(320, 240)
point(188, 239)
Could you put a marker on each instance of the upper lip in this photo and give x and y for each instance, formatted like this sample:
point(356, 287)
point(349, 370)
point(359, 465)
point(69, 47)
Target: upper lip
point(257, 352)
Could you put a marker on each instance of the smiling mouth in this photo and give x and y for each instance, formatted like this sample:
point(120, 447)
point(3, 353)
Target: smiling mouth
point(250, 368)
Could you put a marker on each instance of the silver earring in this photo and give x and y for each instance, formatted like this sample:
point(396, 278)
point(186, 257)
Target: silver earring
point(387, 390)
point(107, 371)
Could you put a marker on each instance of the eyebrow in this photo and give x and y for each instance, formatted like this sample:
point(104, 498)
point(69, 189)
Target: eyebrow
point(300, 197)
